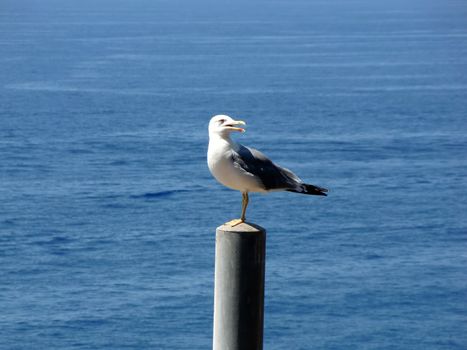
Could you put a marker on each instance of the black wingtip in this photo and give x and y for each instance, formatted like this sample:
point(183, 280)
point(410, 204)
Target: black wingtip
point(312, 190)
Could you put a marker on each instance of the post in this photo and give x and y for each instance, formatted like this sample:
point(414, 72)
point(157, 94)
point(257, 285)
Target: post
point(239, 287)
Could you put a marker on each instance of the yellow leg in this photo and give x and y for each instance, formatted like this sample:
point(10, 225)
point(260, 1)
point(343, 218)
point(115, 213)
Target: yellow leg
point(236, 222)
point(244, 205)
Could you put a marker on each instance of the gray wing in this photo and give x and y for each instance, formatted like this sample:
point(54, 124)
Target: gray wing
point(272, 176)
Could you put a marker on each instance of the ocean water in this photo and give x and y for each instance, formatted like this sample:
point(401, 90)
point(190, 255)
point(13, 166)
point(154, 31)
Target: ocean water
point(108, 211)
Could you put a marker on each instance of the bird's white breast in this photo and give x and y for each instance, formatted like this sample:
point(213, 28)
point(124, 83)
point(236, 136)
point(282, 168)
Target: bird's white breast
point(222, 167)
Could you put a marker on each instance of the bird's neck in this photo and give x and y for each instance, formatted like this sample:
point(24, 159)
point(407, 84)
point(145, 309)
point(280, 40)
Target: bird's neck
point(222, 139)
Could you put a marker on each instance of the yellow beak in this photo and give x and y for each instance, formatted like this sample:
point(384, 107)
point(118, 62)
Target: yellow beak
point(237, 122)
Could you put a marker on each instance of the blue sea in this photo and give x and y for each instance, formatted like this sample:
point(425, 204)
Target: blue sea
point(108, 210)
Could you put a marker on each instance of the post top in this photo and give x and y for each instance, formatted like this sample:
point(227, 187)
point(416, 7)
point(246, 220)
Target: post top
point(243, 227)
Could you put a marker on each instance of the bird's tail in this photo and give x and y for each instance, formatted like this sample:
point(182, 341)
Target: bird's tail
point(310, 189)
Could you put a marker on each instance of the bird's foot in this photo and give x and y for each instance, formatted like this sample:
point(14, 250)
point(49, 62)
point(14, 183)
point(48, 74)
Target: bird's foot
point(234, 222)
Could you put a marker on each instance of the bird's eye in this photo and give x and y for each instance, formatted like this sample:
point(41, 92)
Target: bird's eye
point(221, 121)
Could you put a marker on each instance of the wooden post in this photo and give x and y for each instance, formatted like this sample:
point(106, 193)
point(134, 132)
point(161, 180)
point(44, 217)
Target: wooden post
point(239, 287)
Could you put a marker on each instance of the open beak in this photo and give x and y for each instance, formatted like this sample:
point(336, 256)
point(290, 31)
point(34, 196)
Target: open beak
point(233, 125)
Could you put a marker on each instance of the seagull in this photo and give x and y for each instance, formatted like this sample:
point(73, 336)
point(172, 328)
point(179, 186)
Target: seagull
point(246, 169)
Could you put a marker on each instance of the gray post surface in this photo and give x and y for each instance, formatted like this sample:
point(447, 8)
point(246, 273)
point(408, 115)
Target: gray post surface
point(239, 287)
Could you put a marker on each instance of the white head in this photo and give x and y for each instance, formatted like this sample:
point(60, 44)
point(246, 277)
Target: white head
point(223, 125)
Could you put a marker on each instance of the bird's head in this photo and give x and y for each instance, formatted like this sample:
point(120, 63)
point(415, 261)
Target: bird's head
point(223, 125)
